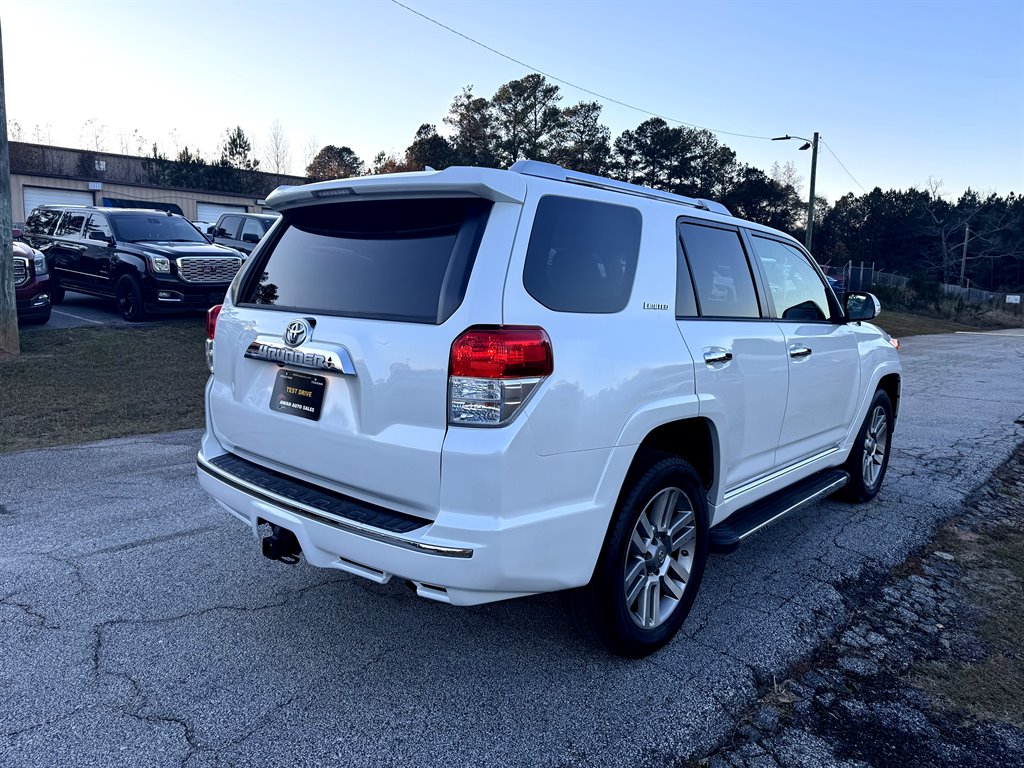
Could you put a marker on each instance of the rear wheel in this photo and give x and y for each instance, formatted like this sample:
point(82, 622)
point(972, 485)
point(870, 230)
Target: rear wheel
point(129, 299)
point(870, 455)
point(650, 569)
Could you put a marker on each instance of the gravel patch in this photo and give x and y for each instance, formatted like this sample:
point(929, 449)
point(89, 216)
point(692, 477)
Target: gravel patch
point(872, 695)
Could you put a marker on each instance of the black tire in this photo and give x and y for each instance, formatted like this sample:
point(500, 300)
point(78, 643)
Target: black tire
point(56, 295)
point(874, 439)
point(602, 608)
point(129, 299)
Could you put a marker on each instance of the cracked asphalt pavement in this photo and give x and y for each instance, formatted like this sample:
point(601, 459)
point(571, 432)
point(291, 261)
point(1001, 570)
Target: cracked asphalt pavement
point(140, 624)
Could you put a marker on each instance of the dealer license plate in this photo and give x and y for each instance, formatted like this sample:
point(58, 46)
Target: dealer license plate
point(299, 394)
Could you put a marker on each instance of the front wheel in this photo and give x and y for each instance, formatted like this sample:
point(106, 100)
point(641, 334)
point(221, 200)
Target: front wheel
point(651, 566)
point(129, 299)
point(869, 457)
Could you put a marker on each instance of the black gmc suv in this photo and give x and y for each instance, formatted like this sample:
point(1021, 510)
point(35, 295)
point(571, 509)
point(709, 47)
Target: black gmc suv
point(149, 261)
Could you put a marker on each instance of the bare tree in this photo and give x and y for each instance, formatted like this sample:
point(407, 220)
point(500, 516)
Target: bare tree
point(278, 150)
point(13, 130)
point(944, 222)
point(131, 143)
point(787, 176)
point(309, 151)
point(41, 134)
point(93, 135)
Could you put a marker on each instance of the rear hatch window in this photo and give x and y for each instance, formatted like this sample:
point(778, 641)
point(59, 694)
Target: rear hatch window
point(406, 260)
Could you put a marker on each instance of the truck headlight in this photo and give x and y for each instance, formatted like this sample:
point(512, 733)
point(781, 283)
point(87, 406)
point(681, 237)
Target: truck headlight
point(39, 264)
point(159, 264)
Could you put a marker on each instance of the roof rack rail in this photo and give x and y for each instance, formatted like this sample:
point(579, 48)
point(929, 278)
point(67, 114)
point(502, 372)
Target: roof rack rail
point(558, 173)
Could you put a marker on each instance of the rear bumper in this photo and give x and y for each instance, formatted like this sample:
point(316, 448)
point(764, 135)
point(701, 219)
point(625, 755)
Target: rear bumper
point(491, 559)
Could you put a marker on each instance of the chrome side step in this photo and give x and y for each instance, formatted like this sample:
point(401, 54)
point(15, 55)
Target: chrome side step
point(726, 536)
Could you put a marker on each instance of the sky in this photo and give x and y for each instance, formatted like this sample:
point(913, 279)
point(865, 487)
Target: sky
point(903, 93)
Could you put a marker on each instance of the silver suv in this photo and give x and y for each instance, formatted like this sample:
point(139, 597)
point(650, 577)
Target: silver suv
point(497, 383)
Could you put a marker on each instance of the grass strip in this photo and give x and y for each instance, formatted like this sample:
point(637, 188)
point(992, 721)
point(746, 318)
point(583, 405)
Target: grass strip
point(81, 384)
point(901, 324)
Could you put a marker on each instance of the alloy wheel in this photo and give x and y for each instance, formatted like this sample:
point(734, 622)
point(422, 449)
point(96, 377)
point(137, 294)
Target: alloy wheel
point(876, 443)
point(659, 558)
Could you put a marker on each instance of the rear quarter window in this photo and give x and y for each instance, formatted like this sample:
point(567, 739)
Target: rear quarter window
point(406, 260)
point(582, 255)
point(42, 221)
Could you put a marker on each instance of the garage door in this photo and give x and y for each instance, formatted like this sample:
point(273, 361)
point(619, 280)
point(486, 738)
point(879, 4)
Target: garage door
point(35, 196)
point(212, 211)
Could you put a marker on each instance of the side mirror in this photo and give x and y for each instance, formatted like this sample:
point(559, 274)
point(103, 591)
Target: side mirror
point(101, 237)
point(16, 233)
point(250, 237)
point(211, 230)
point(862, 306)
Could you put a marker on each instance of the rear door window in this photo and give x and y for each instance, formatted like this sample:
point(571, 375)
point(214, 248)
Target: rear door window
point(582, 255)
point(71, 224)
point(721, 272)
point(406, 260)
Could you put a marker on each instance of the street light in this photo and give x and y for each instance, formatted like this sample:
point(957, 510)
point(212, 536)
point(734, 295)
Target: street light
point(811, 144)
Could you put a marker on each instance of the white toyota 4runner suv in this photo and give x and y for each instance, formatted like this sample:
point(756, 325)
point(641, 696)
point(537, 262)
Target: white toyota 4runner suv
point(491, 384)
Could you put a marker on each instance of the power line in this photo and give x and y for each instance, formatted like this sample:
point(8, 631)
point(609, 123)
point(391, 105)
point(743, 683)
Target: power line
point(843, 166)
point(574, 85)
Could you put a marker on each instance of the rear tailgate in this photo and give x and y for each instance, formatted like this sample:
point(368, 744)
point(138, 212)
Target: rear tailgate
point(366, 296)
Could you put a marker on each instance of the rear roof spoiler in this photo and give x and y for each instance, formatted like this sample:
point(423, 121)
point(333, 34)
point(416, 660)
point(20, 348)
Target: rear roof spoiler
point(488, 183)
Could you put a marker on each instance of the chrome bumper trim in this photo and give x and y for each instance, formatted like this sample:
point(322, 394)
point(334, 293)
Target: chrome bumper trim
point(349, 526)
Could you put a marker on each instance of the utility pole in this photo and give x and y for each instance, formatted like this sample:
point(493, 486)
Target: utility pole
point(9, 341)
point(963, 257)
point(811, 144)
point(810, 203)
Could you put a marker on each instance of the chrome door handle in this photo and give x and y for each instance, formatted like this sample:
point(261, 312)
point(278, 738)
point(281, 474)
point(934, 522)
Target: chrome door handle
point(798, 351)
point(716, 355)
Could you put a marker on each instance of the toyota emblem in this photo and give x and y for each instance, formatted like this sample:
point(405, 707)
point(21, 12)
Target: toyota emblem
point(297, 332)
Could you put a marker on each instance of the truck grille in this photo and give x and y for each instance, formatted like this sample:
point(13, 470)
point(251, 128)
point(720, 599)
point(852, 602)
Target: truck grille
point(196, 269)
point(21, 271)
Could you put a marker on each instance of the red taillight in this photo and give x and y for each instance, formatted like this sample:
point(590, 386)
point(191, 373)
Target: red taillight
point(502, 353)
point(211, 320)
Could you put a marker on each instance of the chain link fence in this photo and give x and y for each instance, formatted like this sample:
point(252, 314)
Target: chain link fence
point(864, 277)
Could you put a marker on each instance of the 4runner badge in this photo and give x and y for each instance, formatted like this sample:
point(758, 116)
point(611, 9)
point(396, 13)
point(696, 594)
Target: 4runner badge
point(297, 332)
